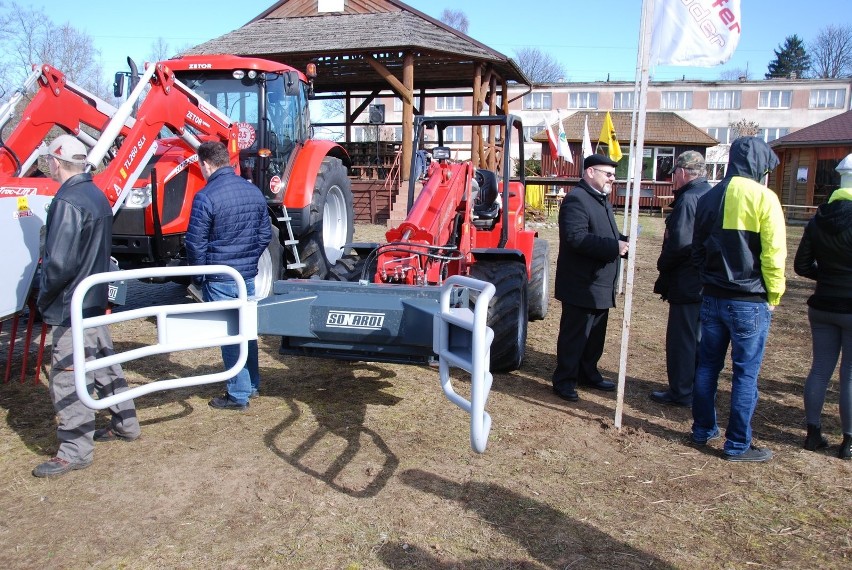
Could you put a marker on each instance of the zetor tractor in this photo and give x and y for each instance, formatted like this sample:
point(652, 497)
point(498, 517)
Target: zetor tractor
point(304, 180)
point(143, 157)
point(461, 221)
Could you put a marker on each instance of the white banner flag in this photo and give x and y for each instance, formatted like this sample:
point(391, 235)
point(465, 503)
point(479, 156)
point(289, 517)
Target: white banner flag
point(587, 142)
point(696, 33)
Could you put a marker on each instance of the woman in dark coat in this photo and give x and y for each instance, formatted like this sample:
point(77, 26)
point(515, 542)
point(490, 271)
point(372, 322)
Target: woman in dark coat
point(825, 255)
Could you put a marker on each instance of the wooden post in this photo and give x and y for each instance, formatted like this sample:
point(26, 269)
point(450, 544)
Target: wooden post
point(476, 132)
point(492, 132)
point(407, 115)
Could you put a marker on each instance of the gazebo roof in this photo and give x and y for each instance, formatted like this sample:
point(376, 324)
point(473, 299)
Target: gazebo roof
point(292, 32)
point(661, 128)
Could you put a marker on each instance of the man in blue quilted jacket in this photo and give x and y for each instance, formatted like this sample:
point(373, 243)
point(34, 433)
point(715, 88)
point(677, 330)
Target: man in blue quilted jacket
point(229, 225)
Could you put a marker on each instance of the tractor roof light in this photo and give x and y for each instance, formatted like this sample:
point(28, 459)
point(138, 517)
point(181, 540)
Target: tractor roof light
point(238, 74)
point(311, 70)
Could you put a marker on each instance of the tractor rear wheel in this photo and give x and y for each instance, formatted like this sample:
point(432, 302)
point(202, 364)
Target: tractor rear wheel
point(507, 312)
point(269, 266)
point(539, 287)
point(332, 221)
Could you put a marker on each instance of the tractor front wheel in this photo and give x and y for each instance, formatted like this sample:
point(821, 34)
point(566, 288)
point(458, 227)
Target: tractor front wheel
point(269, 266)
point(332, 221)
point(507, 311)
point(539, 287)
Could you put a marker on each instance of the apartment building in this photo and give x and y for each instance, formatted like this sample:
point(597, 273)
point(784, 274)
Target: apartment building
point(777, 107)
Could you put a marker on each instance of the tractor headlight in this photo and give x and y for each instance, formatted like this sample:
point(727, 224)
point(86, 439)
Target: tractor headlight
point(138, 198)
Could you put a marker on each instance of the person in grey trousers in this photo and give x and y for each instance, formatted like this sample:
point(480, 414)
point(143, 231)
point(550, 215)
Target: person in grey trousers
point(679, 283)
point(825, 255)
point(78, 239)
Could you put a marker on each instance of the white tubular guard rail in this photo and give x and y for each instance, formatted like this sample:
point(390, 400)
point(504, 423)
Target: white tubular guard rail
point(179, 327)
point(461, 339)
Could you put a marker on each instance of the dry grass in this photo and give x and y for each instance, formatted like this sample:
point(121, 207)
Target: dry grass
point(365, 465)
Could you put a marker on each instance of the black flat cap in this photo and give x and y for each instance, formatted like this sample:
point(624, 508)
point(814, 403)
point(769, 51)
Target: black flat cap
point(597, 160)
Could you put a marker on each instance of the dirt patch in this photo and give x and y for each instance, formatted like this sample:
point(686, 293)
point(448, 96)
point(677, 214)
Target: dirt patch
point(366, 465)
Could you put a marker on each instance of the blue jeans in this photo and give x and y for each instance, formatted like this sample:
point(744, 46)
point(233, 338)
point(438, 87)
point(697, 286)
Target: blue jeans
point(240, 387)
point(745, 326)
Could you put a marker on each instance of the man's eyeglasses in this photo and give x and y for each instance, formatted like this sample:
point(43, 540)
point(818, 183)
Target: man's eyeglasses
point(606, 172)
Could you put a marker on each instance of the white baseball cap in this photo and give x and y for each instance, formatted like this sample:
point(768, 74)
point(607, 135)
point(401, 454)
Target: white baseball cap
point(69, 149)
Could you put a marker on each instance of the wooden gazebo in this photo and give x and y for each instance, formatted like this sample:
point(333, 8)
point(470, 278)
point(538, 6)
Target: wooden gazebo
point(806, 176)
point(370, 46)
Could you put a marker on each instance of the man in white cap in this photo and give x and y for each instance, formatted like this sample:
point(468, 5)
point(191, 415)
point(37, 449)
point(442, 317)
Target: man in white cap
point(77, 244)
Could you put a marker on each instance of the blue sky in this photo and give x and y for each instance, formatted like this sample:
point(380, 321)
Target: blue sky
point(590, 38)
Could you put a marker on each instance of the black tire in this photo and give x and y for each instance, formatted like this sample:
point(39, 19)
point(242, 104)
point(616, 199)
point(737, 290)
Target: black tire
point(507, 312)
point(539, 286)
point(332, 221)
point(269, 266)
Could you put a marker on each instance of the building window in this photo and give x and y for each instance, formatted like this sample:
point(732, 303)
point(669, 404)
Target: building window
point(540, 100)
point(449, 103)
point(676, 100)
point(775, 99)
point(827, 98)
point(656, 163)
point(397, 104)
point(622, 100)
point(583, 100)
point(453, 134)
point(724, 100)
point(716, 171)
point(721, 134)
point(770, 135)
point(826, 181)
point(529, 132)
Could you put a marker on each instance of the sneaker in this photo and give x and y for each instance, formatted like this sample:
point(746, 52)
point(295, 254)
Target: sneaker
point(752, 454)
point(108, 434)
point(715, 435)
point(226, 403)
point(58, 466)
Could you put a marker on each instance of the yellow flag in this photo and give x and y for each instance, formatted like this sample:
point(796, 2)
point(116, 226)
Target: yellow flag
point(609, 138)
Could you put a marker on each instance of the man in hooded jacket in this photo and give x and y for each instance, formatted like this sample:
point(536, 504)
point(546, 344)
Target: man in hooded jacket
point(739, 246)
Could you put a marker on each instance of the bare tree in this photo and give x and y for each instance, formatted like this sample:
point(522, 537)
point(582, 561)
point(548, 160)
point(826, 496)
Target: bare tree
point(831, 52)
point(159, 50)
point(538, 66)
point(736, 74)
point(743, 128)
point(32, 38)
point(455, 19)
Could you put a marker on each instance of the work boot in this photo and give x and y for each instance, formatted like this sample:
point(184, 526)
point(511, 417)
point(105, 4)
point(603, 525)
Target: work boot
point(845, 451)
point(58, 466)
point(815, 439)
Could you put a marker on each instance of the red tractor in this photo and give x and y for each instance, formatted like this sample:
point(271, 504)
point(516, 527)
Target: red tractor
point(461, 221)
point(143, 157)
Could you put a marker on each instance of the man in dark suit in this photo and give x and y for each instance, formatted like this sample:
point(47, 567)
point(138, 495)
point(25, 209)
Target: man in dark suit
point(590, 247)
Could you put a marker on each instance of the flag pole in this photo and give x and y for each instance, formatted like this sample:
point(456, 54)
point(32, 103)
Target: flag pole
point(645, 43)
point(631, 157)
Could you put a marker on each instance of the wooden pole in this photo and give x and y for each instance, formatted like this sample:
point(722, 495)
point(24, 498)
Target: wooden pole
point(407, 115)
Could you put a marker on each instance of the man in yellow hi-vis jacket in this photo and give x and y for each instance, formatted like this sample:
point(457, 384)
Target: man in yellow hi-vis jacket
point(739, 246)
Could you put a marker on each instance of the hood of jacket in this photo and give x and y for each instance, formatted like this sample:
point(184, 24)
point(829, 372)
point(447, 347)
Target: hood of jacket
point(836, 216)
point(751, 157)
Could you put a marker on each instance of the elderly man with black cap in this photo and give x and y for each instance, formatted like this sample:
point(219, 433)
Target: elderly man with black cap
point(678, 282)
point(590, 248)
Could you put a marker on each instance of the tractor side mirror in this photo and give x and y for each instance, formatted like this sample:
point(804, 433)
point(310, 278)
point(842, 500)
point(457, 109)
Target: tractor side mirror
point(118, 84)
point(291, 83)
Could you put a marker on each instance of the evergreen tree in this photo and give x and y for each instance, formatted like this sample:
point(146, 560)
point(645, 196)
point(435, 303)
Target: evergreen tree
point(790, 58)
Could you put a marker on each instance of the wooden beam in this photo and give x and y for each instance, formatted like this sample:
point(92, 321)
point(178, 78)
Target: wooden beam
point(407, 114)
point(400, 88)
point(476, 132)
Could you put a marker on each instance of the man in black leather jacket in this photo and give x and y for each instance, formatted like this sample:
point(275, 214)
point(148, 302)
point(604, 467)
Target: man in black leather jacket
point(679, 283)
point(77, 244)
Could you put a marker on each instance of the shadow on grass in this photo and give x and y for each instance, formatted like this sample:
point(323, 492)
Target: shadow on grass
point(338, 405)
point(550, 537)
